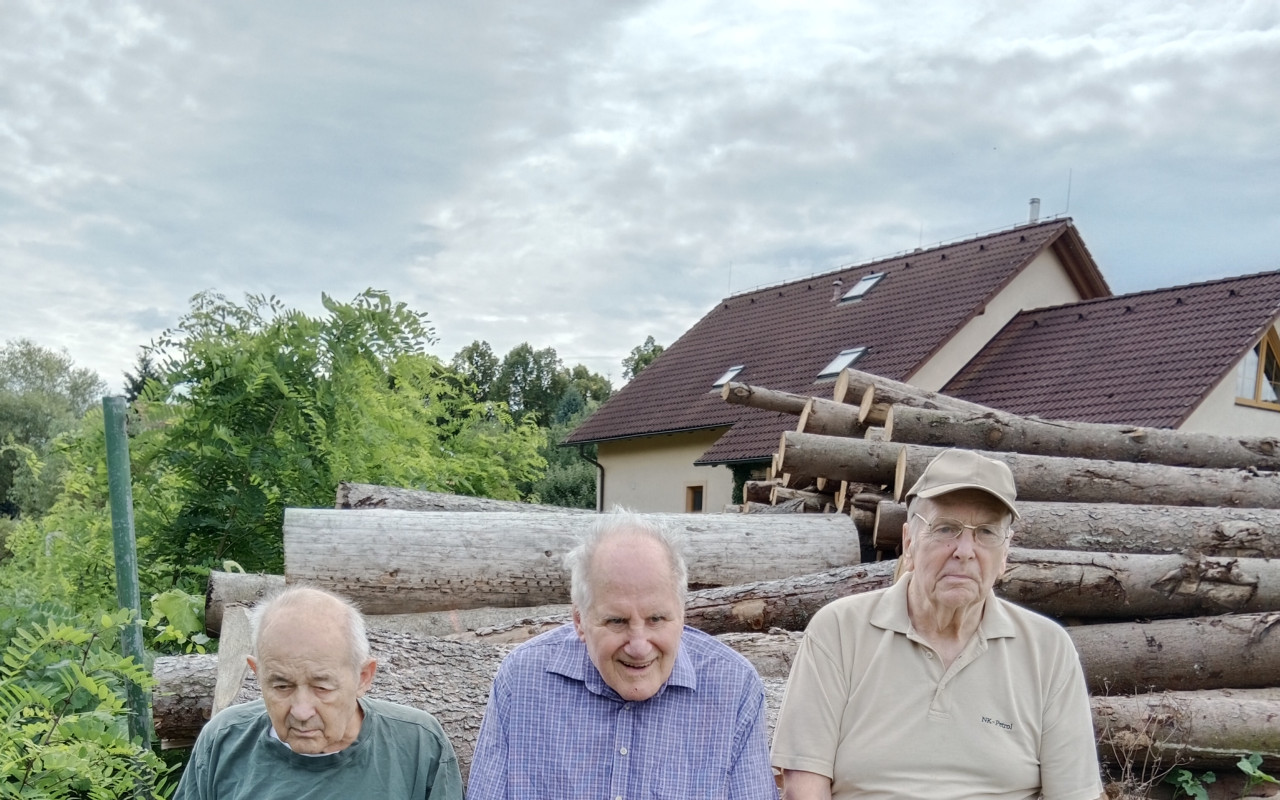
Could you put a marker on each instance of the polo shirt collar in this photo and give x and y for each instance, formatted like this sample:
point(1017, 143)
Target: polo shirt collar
point(890, 613)
point(574, 662)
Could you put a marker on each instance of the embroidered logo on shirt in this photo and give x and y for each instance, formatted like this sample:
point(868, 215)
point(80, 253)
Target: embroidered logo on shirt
point(1008, 726)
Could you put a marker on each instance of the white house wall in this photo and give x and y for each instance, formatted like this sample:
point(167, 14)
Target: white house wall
point(1220, 414)
point(1043, 283)
point(653, 473)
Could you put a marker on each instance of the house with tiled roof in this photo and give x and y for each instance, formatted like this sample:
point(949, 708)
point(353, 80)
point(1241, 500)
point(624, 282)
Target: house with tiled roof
point(668, 442)
point(1203, 357)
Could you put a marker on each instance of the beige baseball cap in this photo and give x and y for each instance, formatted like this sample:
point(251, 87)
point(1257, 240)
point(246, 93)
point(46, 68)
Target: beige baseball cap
point(953, 470)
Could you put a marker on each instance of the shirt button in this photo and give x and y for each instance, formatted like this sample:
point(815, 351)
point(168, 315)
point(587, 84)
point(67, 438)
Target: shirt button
point(622, 750)
point(928, 654)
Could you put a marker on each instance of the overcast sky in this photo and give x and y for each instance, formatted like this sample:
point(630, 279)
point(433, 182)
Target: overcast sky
point(583, 174)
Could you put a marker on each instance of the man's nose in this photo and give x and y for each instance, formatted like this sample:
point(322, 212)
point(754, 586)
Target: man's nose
point(303, 707)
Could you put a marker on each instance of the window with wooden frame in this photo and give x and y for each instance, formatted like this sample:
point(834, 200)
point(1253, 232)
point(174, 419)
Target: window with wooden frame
point(693, 499)
point(1258, 379)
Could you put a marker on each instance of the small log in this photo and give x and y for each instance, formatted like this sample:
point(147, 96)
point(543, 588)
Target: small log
point(1010, 433)
point(1046, 478)
point(757, 491)
point(235, 588)
point(812, 501)
point(829, 419)
point(360, 496)
point(1127, 528)
point(1209, 728)
point(404, 562)
point(887, 528)
point(759, 397)
point(879, 394)
point(1239, 651)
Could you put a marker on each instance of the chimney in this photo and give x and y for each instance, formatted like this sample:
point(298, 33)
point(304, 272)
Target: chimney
point(835, 289)
point(1035, 210)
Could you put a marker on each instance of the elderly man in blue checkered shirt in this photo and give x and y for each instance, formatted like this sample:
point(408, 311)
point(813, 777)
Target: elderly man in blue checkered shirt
point(627, 702)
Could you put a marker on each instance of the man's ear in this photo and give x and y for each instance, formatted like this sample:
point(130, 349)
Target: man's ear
point(577, 624)
point(366, 675)
point(253, 665)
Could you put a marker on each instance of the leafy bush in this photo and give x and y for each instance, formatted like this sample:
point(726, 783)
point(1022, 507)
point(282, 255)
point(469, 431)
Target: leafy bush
point(63, 705)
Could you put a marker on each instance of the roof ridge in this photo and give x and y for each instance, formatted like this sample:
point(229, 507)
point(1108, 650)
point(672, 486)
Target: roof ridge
point(1159, 290)
point(941, 245)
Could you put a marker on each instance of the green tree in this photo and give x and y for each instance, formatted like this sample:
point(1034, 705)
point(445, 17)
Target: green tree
point(274, 408)
point(531, 382)
point(477, 363)
point(593, 387)
point(569, 480)
point(146, 373)
point(641, 356)
point(42, 394)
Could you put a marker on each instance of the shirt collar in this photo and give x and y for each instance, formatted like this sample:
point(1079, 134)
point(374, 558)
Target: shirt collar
point(890, 613)
point(573, 661)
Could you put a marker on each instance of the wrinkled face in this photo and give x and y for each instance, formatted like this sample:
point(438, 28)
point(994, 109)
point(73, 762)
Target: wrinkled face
point(632, 629)
point(308, 681)
point(957, 573)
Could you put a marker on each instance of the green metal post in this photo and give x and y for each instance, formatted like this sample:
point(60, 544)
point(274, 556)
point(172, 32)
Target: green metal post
point(120, 484)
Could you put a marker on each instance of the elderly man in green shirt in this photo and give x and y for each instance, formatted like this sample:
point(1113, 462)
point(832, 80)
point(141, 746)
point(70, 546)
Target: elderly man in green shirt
point(314, 734)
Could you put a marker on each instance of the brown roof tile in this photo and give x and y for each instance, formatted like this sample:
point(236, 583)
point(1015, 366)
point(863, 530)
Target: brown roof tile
point(1139, 359)
point(785, 334)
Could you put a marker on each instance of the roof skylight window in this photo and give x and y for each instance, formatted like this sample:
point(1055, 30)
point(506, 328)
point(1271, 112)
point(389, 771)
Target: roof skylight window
point(841, 361)
point(729, 374)
point(863, 286)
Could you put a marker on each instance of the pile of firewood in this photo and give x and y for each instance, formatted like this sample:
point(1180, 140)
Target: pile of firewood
point(1158, 549)
point(1163, 565)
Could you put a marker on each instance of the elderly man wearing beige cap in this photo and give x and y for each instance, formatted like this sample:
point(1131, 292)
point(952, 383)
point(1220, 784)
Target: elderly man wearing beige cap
point(935, 687)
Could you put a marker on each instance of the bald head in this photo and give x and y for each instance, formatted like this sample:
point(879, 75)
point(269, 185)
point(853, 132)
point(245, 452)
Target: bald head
point(310, 611)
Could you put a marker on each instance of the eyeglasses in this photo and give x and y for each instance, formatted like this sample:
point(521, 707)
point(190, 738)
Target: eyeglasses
point(943, 530)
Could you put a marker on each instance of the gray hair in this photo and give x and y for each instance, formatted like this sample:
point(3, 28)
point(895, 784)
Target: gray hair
point(617, 523)
point(302, 595)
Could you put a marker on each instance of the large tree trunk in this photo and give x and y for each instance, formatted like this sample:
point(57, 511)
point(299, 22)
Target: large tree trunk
point(1210, 728)
point(1125, 528)
point(875, 395)
point(367, 495)
point(759, 397)
point(401, 562)
point(1083, 480)
point(1010, 433)
point(1069, 585)
point(1239, 651)
point(786, 604)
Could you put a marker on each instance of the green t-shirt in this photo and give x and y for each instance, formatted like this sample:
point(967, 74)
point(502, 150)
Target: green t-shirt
point(400, 754)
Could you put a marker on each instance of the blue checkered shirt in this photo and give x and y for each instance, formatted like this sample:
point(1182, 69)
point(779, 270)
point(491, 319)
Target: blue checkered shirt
point(555, 730)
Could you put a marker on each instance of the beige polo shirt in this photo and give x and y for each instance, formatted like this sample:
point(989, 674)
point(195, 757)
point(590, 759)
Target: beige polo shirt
point(870, 706)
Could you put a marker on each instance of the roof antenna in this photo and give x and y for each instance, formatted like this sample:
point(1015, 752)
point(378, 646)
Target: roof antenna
point(1068, 209)
point(730, 292)
point(920, 244)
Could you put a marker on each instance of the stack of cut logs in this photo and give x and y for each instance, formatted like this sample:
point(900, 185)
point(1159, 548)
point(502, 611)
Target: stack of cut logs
point(1164, 564)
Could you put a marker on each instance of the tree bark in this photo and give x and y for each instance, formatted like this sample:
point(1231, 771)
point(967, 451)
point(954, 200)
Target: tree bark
point(1069, 585)
point(1045, 478)
point(1239, 651)
point(879, 394)
point(839, 458)
point(403, 562)
point(183, 697)
point(759, 397)
point(830, 419)
point(366, 495)
point(1125, 528)
point(1209, 728)
point(1010, 433)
